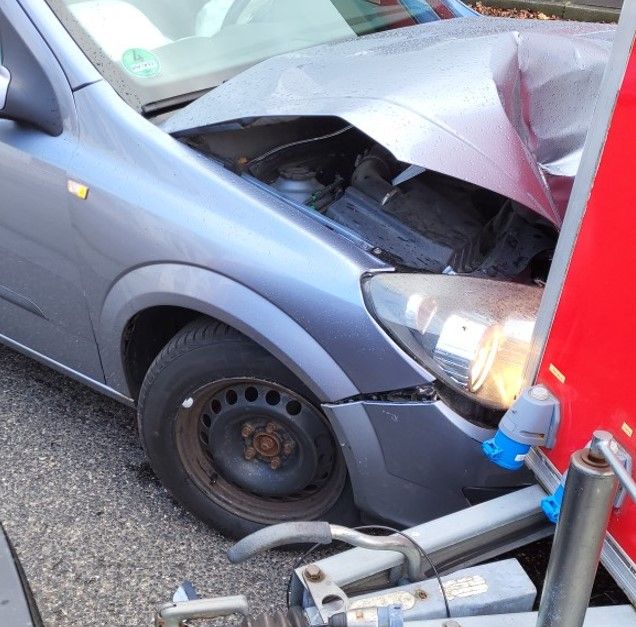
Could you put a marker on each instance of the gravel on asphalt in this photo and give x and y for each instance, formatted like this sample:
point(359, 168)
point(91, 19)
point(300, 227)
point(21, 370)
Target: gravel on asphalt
point(101, 541)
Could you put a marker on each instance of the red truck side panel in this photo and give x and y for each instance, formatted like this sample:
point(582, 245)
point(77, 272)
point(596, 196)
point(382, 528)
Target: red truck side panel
point(590, 356)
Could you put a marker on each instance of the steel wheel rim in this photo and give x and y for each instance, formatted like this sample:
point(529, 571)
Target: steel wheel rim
point(211, 475)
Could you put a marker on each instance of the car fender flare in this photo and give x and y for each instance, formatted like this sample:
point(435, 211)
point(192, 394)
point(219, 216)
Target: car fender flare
point(217, 296)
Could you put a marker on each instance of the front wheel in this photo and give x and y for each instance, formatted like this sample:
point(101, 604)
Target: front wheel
point(236, 437)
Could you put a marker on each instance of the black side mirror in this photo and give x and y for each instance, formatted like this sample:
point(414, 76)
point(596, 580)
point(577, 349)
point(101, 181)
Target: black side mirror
point(26, 94)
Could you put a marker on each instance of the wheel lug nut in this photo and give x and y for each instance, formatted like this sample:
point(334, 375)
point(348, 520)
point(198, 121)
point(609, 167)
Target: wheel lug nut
point(275, 464)
point(271, 427)
point(247, 430)
point(250, 453)
point(288, 448)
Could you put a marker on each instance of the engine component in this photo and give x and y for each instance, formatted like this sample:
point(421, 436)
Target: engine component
point(373, 174)
point(412, 248)
point(421, 219)
point(507, 245)
point(434, 223)
point(298, 183)
point(423, 223)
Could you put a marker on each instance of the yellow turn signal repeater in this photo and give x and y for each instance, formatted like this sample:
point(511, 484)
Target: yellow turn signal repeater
point(77, 189)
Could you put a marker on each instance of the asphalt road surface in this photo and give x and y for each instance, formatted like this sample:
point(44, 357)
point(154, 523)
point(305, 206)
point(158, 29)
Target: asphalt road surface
point(101, 541)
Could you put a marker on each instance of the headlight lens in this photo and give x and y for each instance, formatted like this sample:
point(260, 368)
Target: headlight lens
point(473, 333)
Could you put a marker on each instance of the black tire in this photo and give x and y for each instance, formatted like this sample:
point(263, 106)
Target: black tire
point(209, 396)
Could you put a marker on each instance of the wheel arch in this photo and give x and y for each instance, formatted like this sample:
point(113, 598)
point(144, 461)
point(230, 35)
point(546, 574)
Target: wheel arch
point(197, 291)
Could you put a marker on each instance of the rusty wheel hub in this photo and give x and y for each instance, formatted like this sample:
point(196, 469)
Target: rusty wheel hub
point(266, 445)
point(271, 444)
point(267, 440)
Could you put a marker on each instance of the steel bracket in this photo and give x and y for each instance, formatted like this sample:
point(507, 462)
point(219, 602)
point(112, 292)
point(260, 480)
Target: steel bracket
point(328, 598)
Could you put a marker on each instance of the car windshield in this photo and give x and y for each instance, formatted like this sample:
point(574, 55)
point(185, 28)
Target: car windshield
point(160, 53)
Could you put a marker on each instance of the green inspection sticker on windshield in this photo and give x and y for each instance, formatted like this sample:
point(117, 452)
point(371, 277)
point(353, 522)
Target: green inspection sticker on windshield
point(140, 62)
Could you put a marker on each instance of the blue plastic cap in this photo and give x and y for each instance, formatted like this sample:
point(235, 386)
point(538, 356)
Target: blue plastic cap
point(505, 452)
point(551, 505)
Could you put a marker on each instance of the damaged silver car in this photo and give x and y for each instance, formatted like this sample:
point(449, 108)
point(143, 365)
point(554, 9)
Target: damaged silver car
point(307, 241)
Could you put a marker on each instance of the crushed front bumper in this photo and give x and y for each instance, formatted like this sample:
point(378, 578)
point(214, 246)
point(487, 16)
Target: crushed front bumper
point(411, 462)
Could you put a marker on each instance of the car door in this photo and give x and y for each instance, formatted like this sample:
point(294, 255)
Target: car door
point(42, 304)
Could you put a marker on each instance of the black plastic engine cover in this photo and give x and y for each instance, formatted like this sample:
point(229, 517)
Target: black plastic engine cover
point(420, 226)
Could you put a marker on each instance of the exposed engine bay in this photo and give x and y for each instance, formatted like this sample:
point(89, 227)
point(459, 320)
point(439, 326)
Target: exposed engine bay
point(418, 218)
point(445, 150)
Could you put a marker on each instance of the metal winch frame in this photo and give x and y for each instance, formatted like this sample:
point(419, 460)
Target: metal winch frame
point(385, 571)
point(386, 581)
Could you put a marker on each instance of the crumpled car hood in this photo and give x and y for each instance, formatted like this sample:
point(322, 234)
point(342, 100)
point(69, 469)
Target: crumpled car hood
point(504, 104)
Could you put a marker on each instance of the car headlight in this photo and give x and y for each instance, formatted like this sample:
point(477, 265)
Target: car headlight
point(472, 333)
